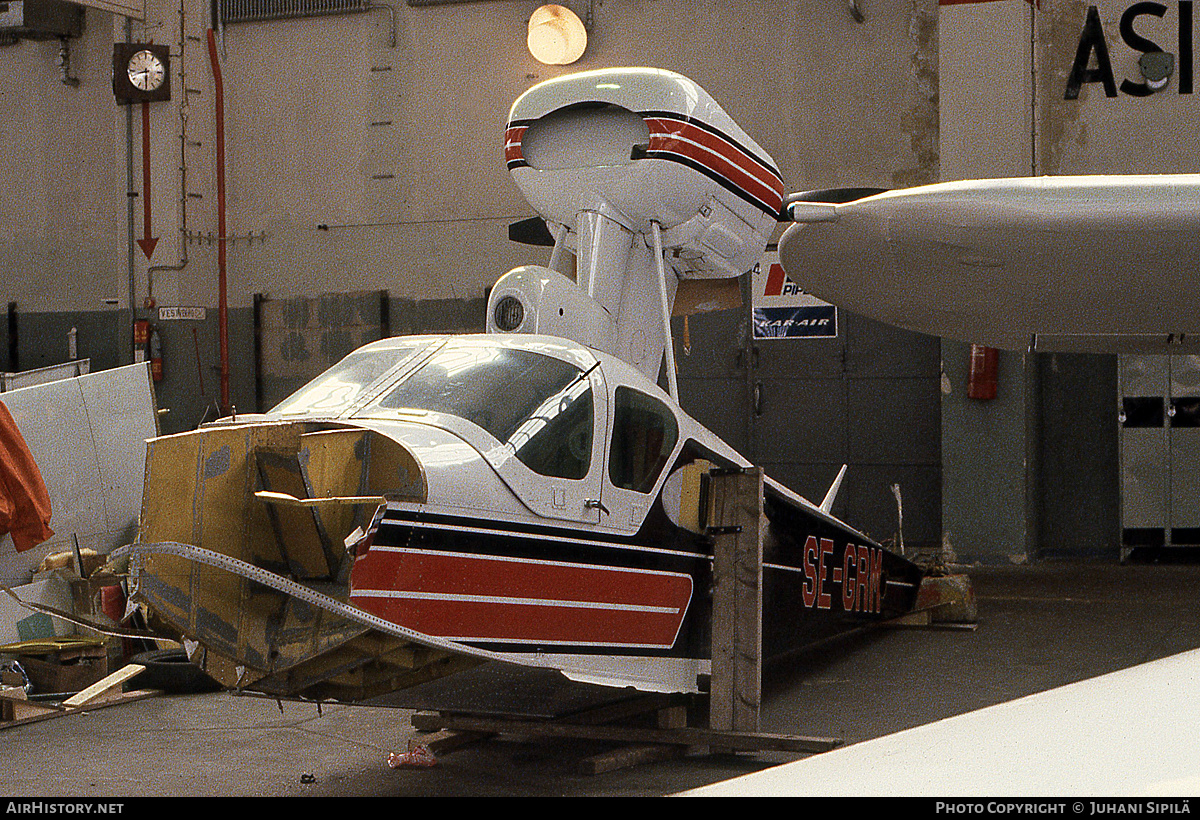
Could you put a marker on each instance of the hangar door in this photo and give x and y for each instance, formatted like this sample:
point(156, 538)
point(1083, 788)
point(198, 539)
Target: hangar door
point(802, 407)
point(1159, 418)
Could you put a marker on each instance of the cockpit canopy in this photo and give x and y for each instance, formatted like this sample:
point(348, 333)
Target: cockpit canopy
point(535, 397)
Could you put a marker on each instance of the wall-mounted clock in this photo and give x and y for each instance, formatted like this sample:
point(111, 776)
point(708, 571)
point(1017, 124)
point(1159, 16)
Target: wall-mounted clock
point(141, 72)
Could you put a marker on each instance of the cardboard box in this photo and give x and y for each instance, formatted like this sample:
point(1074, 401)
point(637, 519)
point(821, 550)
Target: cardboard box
point(19, 623)
point(52, 677)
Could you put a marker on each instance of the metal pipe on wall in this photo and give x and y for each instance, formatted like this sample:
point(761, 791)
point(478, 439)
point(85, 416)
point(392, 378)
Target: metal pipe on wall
point(222, 299)
point(130, 209)
point(183, 116)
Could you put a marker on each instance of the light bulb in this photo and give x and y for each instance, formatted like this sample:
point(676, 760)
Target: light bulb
point(556, 35)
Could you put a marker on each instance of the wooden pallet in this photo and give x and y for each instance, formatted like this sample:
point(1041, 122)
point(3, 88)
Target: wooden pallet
point(666, 736)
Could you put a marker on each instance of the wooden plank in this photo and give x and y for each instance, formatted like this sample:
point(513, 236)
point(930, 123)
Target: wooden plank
point(627, 757)
point(104, 684)
point(623, 710)
point(683, 736)
point(53, 710)
point(923, 618)
point(447, 740)
point(735, 519)
point(17, 709)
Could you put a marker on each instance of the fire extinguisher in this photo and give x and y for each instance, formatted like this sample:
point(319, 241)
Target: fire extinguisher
point(981, 383)
point(156, 362)
point(141, 337)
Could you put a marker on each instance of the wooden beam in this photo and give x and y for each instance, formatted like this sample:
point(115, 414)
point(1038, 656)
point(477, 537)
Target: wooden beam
point(735, 515)
point(627, 757)
point(447, 740)
point(682, 736)
point(45, 711)
point(15, 710)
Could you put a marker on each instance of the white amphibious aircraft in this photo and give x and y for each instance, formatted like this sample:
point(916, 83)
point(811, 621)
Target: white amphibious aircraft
point(1090, 263)
point(526, 498)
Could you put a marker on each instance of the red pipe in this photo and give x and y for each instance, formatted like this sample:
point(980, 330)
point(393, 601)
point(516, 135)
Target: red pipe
point(222, 299)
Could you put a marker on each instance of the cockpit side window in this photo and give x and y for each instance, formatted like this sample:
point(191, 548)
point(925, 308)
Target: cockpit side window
point(644, 434)
point(557, 439)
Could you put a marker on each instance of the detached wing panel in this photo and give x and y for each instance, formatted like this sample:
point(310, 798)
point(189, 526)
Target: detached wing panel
point(1091, 261)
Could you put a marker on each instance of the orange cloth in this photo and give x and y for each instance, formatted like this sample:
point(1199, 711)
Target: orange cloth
point(24, 502)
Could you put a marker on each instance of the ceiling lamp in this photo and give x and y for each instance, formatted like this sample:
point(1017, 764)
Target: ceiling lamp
point(556, 35)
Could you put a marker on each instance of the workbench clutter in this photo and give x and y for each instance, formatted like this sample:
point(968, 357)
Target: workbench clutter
point(19, 706)
point(47, 653)
point(43, 661)
point(52, 666)
point(51, 663)
point(68, 591)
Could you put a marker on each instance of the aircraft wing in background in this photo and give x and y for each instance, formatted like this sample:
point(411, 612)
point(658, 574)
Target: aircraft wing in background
point(1090, 263)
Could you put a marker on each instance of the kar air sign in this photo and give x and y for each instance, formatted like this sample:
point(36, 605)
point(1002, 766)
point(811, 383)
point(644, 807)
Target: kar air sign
point(783, 311)
point(1093, 63)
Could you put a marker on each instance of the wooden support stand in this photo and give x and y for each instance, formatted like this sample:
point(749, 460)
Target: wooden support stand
point(735, 502)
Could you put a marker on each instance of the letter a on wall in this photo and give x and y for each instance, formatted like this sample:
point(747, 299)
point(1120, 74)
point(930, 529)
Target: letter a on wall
point(1091, 40)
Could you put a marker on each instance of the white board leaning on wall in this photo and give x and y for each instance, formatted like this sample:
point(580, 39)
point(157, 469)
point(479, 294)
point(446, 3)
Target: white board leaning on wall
point(88, 437)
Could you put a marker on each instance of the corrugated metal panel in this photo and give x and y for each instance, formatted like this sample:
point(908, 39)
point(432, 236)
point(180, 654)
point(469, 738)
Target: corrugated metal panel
point(241, 11)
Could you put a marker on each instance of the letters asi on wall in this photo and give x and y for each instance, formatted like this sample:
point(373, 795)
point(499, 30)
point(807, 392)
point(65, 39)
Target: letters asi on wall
point(1093, 58)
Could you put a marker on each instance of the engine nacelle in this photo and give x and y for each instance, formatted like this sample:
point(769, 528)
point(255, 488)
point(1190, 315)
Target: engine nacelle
point(643, 145)
point(534, 299)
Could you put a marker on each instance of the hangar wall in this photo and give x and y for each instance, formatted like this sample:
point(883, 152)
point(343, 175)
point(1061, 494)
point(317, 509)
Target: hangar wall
point(353, 164)
point(356, 164)
point(1051, 88)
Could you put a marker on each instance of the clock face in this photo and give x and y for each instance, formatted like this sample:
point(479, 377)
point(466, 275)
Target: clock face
point(146, 71)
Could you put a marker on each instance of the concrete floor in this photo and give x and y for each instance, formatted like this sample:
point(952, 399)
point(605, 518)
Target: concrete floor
point(1040, 627)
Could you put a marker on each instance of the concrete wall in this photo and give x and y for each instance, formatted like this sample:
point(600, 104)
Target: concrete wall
point(62, 183)
point(1123, 133)
point(1034, 473)
point(353, 165)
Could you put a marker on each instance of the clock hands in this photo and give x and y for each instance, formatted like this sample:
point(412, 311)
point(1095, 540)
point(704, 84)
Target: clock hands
point(145, 77)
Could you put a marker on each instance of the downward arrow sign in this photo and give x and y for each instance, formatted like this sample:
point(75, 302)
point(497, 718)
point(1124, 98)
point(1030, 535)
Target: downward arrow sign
point(149, 242)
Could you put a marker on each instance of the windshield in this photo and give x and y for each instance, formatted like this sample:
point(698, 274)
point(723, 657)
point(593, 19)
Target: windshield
point(496, 388)
point(335, 390)
point(540, 405)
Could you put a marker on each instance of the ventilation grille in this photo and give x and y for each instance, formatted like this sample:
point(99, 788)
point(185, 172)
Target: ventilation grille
point(243, 11)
